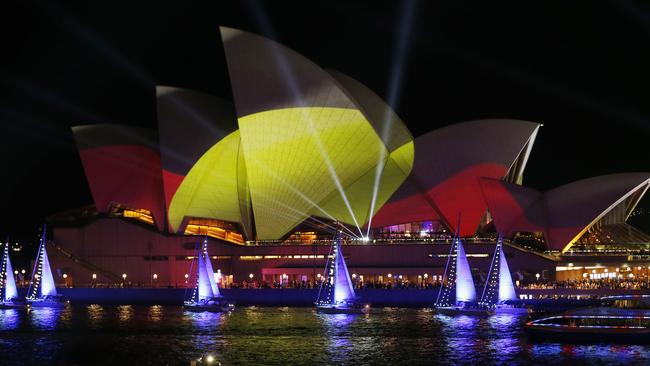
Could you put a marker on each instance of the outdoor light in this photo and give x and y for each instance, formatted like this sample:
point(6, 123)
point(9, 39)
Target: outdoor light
point(250, 276)
point(365, 239)
point(187, 276)
point(94, 276)
point(209, 359)
point(284, 276)
point(390, 275)
point(155, 276)
point(65, 275)
point(124, 276)
point(22, 271)
point(426, 275)
point(16, 272)
point(537, 276)
point(354, 275)
point(606, 270)
point(318, 275)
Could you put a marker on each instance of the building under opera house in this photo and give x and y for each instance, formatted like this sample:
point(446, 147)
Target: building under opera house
point(265, 179)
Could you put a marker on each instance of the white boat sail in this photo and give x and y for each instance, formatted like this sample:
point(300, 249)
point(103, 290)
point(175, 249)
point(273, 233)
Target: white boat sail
point(9, 290)
point(499, 289)
point(42, 290)
point(206, 295)
point(336, 293)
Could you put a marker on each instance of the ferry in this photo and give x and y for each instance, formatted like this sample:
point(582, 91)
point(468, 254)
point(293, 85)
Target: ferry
point(620, 319)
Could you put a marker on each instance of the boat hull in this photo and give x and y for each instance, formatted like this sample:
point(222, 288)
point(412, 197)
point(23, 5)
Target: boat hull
point(588, 335)
point(12, 305)
point(342, 310)
point(511, 310)
point(48, 303)
point(453, 310)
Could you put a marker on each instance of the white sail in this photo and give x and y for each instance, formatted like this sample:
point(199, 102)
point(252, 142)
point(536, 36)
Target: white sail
point(42, 280)
point(343, 289)
point(10, 290)
point(465, 290)
point(208, 267)
point(506, 287)
point(48, 288)
point(204, 288)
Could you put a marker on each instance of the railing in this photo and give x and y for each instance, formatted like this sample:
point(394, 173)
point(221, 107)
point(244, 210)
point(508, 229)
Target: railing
point(86, 264)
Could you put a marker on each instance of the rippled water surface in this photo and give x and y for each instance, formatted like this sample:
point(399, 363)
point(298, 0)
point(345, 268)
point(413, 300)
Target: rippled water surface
point(159, 335)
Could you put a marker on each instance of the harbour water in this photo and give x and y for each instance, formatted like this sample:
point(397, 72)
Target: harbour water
point(166, 335)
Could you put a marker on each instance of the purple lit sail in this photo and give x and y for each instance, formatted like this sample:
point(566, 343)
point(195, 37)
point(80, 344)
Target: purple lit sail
point(343, 290)
point(10, 290)
point(506, 288)
point(465, 291)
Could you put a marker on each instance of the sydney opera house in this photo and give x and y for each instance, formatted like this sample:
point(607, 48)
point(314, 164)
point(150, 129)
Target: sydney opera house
point(265, 179)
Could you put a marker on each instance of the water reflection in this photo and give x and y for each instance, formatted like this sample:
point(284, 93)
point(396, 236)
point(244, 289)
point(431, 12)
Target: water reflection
point(124, 313)
point(155, 313)
point(503, 337)
point(45, 318)
point(95, 315)
point(10, 319)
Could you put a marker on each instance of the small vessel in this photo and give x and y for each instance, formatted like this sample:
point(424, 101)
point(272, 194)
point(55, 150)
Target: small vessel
point(457, 294)
point(9, 298)
point(499, 292)
point(621, 319)
point(206, 295)
point(42, 290)
point(336, 294)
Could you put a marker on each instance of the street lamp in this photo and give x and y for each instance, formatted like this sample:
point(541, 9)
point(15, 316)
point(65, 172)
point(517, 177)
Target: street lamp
point(65, 275)
point(22, 271)
point(155, 276)
point(94, 276)
point(124, 276)
point(537, 276)
point(250, 276)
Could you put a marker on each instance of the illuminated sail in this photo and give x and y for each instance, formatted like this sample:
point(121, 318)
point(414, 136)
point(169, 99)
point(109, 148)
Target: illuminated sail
point(42, 280)
point(465, 290)
point(9, 285)
point(343, 289)
point(336, 288)
point(208, 268)
point(204, 287)
point(506, 288)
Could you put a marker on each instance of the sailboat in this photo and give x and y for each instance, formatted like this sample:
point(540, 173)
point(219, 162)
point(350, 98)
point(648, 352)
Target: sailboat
point(499, 292)
point(206, 295)
point(336, 294)
point(457, 294)
point(42, 290)
point(9, 298)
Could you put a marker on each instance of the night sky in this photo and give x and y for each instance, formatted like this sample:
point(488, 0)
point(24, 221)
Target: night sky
point(581, 69)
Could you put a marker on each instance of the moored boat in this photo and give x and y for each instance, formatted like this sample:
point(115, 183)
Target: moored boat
point(457, 296)
point(206, 295)
point(499, 292)
point(42, 290)
point(336, 294)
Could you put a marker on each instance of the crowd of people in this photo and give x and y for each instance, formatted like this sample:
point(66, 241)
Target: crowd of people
point(587, 284)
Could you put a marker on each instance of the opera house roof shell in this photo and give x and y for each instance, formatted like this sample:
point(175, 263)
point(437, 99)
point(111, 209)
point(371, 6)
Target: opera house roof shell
point(303, 142)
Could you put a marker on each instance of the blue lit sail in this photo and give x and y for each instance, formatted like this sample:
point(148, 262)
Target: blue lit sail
point(9, 285)
point(42, 281)
point(208, 267)
point(204, 287)
point(506, 288)
point(343, 289)
point(465, 290)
